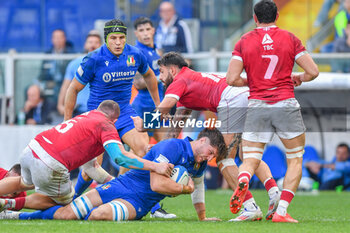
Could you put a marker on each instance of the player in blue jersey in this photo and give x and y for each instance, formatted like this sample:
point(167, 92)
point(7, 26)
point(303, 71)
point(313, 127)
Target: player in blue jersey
point(132, 195)
point(144, 32)
point(110, 71)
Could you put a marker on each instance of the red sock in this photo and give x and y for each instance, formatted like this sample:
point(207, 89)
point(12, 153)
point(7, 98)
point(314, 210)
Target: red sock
point(287, 195)
point(19, 203)
point(248, 196)
point(270, 183)
point(244, 176)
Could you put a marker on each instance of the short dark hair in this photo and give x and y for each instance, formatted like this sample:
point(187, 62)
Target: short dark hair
point(94, 35)
point(216, 140)
point(142, 20)
point(172, 58)
point(265, 11)
point(343, 144)
point(110, 108)
point(16, 168)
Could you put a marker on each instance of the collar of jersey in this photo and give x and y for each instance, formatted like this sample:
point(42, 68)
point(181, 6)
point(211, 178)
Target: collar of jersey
point(139, 44)
point(183, 70)
point(269, 27)
point(111, 55)
point(189, 148)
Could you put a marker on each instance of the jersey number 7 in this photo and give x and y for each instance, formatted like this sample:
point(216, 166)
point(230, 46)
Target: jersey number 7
point(272, 65)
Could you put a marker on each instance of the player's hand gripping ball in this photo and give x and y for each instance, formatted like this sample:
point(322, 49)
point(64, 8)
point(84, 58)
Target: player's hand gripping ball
point(180, 175)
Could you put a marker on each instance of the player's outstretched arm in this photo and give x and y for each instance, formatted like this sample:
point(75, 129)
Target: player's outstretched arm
point(152, 85)
point(309, 66)
point(71, 98)
point(181, 114)
point(198, 199)
point(167, 186)
point(129, 160)
point(233, 75)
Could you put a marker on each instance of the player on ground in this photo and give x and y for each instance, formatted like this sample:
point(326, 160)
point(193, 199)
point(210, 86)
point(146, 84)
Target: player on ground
point(13, 172)
point(144, 32)
point(52, 154)
point(110, 71)
point(132, 195)
point(268, 54)
point(192, 90)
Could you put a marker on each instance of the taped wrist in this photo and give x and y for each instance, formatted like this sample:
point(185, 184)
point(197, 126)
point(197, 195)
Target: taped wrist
point(198, 193)
point(95, 171)
point(226, 163)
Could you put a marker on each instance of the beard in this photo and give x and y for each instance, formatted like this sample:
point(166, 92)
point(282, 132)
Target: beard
point(168, 81)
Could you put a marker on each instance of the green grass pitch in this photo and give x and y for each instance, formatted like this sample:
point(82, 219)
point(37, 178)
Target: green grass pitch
point(326, 212)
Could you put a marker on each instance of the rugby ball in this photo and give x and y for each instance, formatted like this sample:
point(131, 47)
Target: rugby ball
point(180, 175)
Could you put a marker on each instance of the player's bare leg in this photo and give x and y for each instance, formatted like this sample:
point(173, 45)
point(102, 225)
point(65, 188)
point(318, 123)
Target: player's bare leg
point(82, 205)
point(230, 172)
point(252, 153)
point(138, 142)
point(116, 210)
point(294, 151)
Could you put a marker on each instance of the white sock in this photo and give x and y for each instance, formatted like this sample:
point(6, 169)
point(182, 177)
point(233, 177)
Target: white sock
point(250, 204)
point(282, 208)
point(273, 192)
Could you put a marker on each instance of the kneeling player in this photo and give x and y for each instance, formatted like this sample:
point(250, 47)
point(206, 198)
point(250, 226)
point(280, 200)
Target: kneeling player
point(132, 195)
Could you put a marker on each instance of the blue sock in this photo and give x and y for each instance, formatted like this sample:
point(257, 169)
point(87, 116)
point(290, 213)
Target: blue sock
point(88, 215)
point(81, 185)
point(155, 208)
point(40, 214)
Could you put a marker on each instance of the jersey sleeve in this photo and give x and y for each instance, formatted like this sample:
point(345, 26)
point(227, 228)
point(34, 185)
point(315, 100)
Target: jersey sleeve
point(143, 68)
point(176, 89)
point(237, 52)
point(85, 72)
point(299, 49)
point(168, 152)
point(109, 133)
point(3, 173)
point(70, 71)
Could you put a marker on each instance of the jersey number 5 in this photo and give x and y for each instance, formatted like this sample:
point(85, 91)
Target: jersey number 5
point(272, 65)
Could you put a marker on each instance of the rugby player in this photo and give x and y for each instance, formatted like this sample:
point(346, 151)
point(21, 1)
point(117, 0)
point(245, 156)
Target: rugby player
point(132, 195)
point(191, 90)
point(267, 54)
point(52, 154)
point(110, 71)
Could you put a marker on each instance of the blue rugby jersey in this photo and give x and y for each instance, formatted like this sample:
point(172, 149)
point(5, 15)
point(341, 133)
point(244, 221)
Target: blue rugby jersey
point(144, 97)
point(111, 77)
point(175, 151)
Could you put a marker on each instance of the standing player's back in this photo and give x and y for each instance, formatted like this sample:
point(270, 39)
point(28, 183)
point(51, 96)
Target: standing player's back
point(268, 54)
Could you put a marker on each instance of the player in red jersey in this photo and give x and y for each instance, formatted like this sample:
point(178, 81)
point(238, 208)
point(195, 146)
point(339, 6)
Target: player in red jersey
point(14, 171)
point(268, 54)
point(192, 90)
point(52, 154)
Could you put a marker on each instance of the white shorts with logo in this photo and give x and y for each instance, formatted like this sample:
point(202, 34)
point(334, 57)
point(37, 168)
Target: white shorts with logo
point(49, 176)
point(232, 109)
point(263, 120)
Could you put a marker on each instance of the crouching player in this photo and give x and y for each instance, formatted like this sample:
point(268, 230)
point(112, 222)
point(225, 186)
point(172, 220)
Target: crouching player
point(52, 154)
point(132, 195)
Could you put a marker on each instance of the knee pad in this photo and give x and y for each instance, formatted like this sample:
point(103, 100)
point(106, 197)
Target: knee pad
point(252, 152)
point(119, 210)
point(81, 206)
point(296, 152)
point(225, 163)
